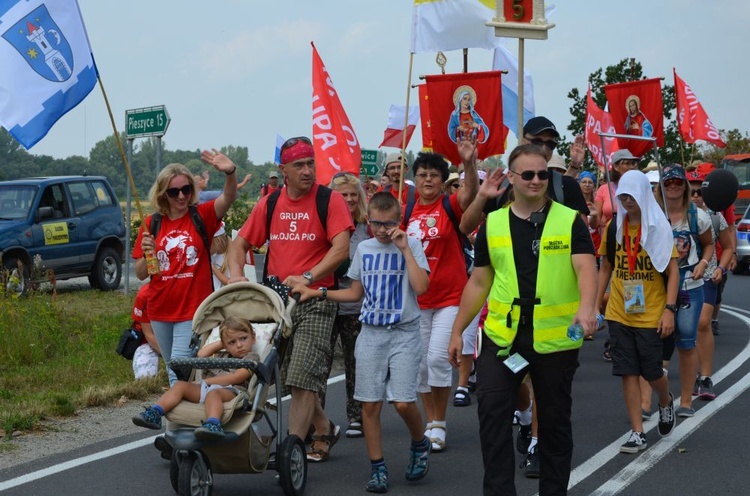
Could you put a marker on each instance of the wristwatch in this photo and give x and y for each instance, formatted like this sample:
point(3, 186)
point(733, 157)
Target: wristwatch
point(673, 308)
point(308, 275)
point(324, 292)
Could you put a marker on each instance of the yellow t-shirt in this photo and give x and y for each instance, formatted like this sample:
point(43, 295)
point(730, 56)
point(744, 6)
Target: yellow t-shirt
point(644, 292)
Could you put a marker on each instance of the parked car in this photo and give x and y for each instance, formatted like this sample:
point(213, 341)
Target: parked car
point(72, 225)
point(743, 244)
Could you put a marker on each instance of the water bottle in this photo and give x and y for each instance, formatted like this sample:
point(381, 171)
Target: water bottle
point(575, 332)
point(599, 321)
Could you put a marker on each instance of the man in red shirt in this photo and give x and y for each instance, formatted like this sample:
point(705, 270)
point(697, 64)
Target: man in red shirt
point(393, 173)
point(301, 251)
point(271, 186)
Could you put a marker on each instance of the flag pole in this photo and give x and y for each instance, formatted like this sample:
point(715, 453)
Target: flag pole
point(121, 149)
point(519, 132)
point(406, 125)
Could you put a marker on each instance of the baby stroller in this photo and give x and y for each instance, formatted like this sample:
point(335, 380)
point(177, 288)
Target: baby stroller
point(245, 449)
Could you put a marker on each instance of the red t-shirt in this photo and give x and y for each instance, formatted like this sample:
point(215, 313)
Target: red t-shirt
point(267, 189)
point(431, 225)
point(297, 242)
point(185, 279)
point(404, 193)
point(730, 218)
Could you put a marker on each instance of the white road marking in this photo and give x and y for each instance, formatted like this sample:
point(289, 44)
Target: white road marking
point(61, 467)
point(658, 450)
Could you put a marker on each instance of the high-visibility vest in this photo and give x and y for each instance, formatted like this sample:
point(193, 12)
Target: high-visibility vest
point(557, 297)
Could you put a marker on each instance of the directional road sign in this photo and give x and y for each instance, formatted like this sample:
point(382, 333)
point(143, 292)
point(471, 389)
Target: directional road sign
point(369, 163)
point(147, 121)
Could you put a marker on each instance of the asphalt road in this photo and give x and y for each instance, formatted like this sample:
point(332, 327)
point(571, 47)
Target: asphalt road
point(704, 455)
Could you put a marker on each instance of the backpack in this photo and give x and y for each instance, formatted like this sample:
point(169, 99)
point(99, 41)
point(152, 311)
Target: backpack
point(411, 192)
point(322, 199)
point(197, 222)
point(463, 240)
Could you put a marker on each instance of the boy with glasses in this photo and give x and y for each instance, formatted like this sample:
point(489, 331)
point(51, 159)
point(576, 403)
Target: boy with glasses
point(389, 270)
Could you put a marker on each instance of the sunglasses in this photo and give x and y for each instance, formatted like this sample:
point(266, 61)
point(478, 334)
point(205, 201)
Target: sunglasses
point(455, 185)
point(625, 197)
point(673, 182)
point(175, 192)
point(294, 141)
point(697, 192)
point(376, 224)
point(343, 177)
point(551, 144)
point(543, 175)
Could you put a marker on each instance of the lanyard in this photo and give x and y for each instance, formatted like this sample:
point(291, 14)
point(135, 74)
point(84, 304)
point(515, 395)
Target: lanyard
point(632, 254)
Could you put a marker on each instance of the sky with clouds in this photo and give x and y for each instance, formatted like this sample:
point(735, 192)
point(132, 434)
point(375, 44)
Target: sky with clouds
point(238, 72)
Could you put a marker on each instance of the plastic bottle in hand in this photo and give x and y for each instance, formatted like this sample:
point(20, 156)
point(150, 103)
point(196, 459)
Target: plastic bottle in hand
point(152, 264)
point(575, 332)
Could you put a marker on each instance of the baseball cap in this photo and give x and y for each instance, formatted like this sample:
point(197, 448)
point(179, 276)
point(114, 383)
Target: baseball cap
point(673, 171)
point(273, 174)
point(539, 124)
point(395, 157)
point(623, 154)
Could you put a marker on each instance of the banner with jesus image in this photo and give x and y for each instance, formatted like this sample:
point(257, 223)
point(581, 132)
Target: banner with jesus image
point(637, 109)
point(466, 105)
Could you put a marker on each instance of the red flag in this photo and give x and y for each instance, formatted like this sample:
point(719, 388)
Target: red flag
point(466, 104)
point(394, 132)
point(637, 109)
point(424, 115)
point(693, 120)
point(599, 121)
point(336, 146)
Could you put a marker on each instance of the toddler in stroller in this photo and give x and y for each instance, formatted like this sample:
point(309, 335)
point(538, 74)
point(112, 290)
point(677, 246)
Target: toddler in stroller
point(218, 385)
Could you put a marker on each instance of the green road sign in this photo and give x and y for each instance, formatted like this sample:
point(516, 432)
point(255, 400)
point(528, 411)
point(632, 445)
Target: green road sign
point(369, 163)
point(147, 121)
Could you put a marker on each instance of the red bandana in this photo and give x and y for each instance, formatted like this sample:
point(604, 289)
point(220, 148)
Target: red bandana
point(297, 151)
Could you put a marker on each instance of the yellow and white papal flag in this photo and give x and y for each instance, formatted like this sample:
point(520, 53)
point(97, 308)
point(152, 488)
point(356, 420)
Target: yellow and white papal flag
point(442, 25)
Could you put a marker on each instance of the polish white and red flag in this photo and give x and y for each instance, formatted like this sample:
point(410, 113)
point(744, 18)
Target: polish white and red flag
point(394, 133)
point(336, 145)
point(693, 121)
point(599, 121)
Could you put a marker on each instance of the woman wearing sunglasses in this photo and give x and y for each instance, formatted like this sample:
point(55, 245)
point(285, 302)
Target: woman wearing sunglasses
point(691, 228)
point(184, 260)
point(346, 326)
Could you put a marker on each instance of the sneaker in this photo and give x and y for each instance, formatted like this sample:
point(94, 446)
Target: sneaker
point(706, 390)
point(209, 431)
point(685, 412)
point(645, 414)
point(148, 418)
point(667, 419)
point(636, 442)
point(524, 439)
point(354, 429)
point(378, 482)
point(715, 327)
point(419, 463)
point(472, 387)
point(607, 355)
point(696, 386)
point(516, 417)
point(531, 464)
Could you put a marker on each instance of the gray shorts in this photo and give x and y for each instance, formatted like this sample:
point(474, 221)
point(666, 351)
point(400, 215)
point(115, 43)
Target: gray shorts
point(388, 363)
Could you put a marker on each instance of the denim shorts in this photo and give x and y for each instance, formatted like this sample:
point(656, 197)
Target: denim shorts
point(686, 320)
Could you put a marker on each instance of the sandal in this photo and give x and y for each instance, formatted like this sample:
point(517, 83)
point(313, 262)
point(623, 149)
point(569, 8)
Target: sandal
point(438, 444)
point(316, 454)
point(461, 397)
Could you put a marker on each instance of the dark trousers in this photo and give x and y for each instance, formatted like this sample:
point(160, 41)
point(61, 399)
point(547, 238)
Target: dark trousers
point(497, 391)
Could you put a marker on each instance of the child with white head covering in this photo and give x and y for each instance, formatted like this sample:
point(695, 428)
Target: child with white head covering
point(642, 304)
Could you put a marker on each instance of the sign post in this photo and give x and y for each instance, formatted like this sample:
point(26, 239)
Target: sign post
point(369, 165)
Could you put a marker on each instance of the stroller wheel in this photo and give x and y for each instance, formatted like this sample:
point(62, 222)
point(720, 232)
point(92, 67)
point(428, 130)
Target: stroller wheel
point(174, 473)
point(195, 478)
point(291, 463)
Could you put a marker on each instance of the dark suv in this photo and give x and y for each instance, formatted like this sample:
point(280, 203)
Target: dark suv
point(70, 224)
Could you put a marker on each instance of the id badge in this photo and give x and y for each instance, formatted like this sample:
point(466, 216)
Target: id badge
point(516, 363)
point(635, 301)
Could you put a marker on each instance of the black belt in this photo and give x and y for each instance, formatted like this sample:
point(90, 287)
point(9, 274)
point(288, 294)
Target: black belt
point(527, 309)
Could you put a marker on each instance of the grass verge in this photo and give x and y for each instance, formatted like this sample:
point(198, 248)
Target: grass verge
point(57, 355)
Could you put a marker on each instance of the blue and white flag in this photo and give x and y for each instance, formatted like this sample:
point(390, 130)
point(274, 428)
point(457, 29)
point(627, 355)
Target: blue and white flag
point(47, 65)
point(277, 155)
point(503, 60)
